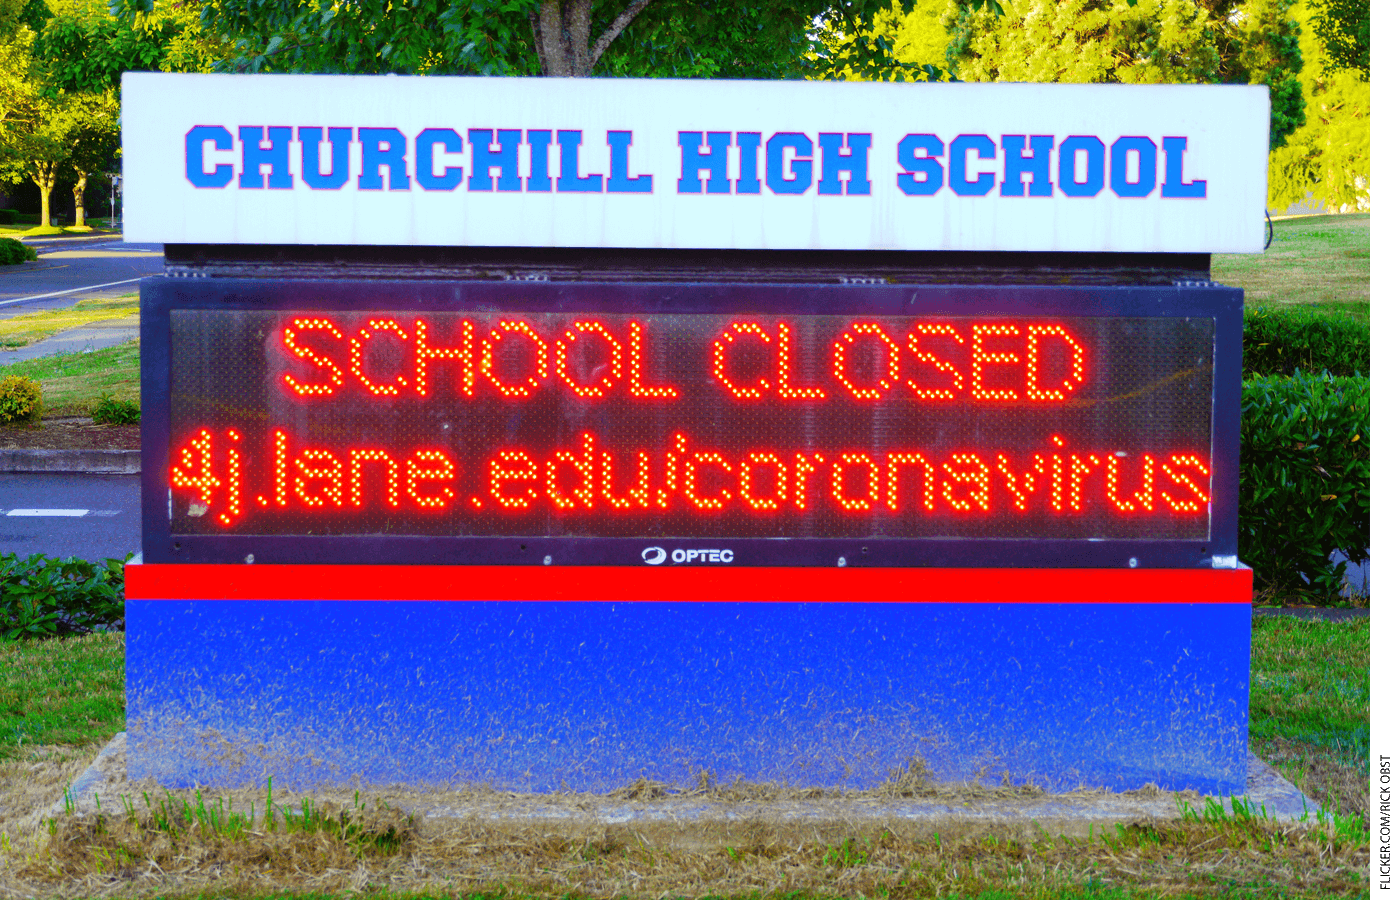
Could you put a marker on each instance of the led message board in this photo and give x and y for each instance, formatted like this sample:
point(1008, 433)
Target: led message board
point(724, 424)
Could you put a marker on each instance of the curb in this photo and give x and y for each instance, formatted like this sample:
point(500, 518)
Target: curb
point(88, 462)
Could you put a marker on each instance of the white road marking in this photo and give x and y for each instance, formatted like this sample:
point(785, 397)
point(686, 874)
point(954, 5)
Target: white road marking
point(89, 287)
point(48, 513)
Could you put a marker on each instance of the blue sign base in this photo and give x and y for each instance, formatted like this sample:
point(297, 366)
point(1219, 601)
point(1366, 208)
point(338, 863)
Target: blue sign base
point(232, 683)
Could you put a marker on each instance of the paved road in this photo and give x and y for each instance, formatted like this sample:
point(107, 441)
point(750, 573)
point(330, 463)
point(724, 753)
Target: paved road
point(71, 269)
point(88, 516)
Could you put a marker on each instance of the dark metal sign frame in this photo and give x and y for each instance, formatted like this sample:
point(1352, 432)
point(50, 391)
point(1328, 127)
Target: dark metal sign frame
point(161, 296)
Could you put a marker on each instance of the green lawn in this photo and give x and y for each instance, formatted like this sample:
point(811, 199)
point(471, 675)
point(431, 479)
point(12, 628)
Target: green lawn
point(1322, 261)
point(1309, 707)
point(74, 382)
point(24, 231)
point(25, 329)
point(61, 692)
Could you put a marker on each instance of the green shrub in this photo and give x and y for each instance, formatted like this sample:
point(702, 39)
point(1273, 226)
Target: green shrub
point(111, 411)
point(12, 252)
point(1280, 341)
point(1305, 479)
point(9, 216)
point(21, 399)
point(42, 597)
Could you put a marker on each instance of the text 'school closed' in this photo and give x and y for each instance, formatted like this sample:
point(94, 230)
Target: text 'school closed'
point(970, 165)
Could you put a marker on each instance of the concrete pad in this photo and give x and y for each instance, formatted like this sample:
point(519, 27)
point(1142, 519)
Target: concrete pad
point(105, 783)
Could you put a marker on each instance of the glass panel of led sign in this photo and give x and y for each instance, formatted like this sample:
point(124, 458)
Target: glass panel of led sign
point(669, 425)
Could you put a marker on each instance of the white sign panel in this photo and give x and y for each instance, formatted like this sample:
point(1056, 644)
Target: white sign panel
point(597, 162)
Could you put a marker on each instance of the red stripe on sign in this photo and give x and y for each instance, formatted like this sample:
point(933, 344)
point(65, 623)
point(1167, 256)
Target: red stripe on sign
point(604, 584)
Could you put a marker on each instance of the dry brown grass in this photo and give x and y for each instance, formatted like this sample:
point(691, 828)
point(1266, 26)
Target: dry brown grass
point(1338, 783)
point(119, 858)
point(372, 845)
point(29, 783)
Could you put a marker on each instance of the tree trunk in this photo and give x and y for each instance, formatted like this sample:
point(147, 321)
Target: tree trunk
point(44, 176)
point(79, 213)
point(563, 29)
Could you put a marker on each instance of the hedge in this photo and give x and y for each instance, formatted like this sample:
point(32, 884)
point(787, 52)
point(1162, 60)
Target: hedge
point(1305, 479)
point(12, 252)
point(42, 597)
point(1282, 341)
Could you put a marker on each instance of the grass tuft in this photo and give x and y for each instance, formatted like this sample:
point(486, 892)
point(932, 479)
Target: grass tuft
point(177, 836)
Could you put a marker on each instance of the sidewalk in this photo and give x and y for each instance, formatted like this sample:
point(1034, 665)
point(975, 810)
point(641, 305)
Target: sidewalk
point(84, 339)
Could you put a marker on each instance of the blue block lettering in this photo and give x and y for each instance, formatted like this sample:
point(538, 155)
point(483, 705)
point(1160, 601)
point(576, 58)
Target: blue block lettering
point(1173, 186)
point(450, 142)
point(195, 139)
point(618, 182)
point(1093, 150)
point(311, 175)
point(801, 163)
point(539, 182)
point(569, 179)
point(749, 142)
point(383, 148)
point(957, 165)
point(255, 156)
point(484, 159)
point(1017, 165)
point(923, 173)
point(856, 163)
point(1147, 166)
point(715, 161)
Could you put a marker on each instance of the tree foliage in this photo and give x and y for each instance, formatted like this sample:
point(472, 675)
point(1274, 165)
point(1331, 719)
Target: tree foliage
point(637, 38)
point(70, 135)
point(1328, 159)
point(87, 49)
point(1111, 41)
point(19, 97)
point(1344, 31)
point(60, 70)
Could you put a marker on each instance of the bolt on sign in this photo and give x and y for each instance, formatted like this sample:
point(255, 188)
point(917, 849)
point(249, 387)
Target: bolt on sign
point(658, 525)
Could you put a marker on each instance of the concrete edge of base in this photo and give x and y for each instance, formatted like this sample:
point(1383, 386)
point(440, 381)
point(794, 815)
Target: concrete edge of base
point(1267, 793)
point(90, 462)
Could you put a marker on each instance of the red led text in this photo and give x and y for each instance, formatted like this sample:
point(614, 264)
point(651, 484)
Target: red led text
point(869, 361)
point(214, 468)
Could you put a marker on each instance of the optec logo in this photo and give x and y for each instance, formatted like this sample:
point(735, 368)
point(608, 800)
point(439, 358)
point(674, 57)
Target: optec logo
point(655, 556)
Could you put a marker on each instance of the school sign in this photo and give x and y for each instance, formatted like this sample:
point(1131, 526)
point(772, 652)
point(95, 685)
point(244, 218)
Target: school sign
point(694, 164)
point(786, 432)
